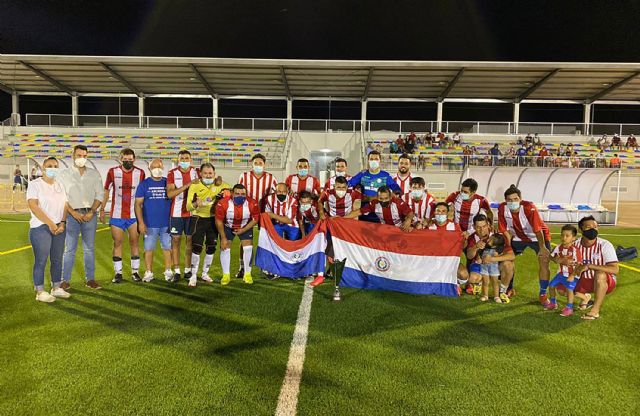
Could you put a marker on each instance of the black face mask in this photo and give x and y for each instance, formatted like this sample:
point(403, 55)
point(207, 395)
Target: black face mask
point(281, 197)
point(127, 164)
point(385, 203)
point(590, 234)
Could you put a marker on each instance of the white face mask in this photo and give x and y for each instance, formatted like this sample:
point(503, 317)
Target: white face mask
point(374, 164)
point(465, 196)
point(157, 172)
point(257, 169)
point(341, 193)
point(441, 218)
point(341, 174)
point(305, 207)
point(80, 162)
point(417, 193)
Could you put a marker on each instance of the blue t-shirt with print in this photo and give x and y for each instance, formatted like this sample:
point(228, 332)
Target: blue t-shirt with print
point(156, 207)
point(371, 182)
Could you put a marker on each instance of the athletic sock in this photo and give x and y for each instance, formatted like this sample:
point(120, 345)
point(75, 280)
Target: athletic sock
point(176, 270)
point(135, 264)
point(195, 263)
point(247, 252)
point(225, 260)
point(117, 264)
point(570, 305)
point(462, 282)
point(503, 288)
point(208, 259)
point(544, 284)
point(553, 300)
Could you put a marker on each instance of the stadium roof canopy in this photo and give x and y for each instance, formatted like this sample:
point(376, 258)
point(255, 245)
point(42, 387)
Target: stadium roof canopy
point(298, 79)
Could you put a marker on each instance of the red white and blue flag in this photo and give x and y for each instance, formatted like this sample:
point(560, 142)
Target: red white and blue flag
point(292, 259)
point(382, 257)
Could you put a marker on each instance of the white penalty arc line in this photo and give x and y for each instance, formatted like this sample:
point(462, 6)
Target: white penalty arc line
point(288, 399)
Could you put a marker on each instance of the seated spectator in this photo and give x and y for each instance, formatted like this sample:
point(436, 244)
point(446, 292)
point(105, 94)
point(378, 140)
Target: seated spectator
point(495, 154)
point(536, 140)
point(632, 142)
point(520, 141)
point(457, 139)
point(542, 155)
point(521, 153)
point(393, 147)
point(616, 142)
point(436, 141)
point(615, 161)
point(603, 142)
point(600, 160)
point(400, 141)
point(528, 140)
point(466, 155)
point(570, 148)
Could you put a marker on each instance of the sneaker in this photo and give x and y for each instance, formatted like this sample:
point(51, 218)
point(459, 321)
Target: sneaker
point(176, 278)
point(477, 289)
point(205, 277)
point(566, 312)
point(240, 274)
point(168, 275)
point(551, 306)
point(226, 278)
point(504, 298)
point(94, 285)
point(193, 281)
point(247, 278)
point(117, 278)
point(469, 289)
point(148, 276)
point(45, 297)
point(136, 277)
point(60, 293)
point(187, 275)
point(497, 299)
point(317, 281)
point(543, 300)
point(65, 285)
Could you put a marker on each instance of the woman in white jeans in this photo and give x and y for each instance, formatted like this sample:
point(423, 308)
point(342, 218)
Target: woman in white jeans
point(47, 199)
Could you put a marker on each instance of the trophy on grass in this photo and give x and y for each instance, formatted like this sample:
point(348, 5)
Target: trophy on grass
point(336, 270)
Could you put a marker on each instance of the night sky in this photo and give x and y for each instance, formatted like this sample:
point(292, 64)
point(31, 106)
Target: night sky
point(607, 31)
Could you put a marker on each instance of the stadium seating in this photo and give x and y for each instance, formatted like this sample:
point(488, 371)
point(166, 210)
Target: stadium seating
point(452, 159)
point(228, 151)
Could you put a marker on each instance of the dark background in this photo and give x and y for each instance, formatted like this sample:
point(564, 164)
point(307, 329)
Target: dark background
point(606, 31)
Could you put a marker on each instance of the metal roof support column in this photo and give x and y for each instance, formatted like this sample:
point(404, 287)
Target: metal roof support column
point(15, 109)
point(141, 111)
point(74, 110)
point(214, 101)
point(363, 116)
point(439, 108)
point(289, 113)
point(586, 118)
point(516, 117)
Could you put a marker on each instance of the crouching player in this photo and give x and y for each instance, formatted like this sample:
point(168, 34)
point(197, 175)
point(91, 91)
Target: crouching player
point(235, 217)
point(566, 277)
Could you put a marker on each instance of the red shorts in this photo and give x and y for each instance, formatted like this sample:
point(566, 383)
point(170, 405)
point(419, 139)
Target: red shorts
point(588, 285)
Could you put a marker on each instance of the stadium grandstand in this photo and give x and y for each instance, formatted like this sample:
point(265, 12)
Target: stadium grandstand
point(445, 150)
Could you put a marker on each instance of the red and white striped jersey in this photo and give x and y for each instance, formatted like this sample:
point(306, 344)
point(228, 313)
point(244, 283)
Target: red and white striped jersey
point(422, 208)
point(404, 184)
point(571, 252)
point(179, 178)
point(288, 208)
point(258, 188)
point(524, 224)
point(393, 214)
point(311, 215)
point(331, 183)
point(600, 253)
point(237, 216)
point(447, 226)
point(339, 207)
point(464, 211)
point(296, 184)
point(123, 191)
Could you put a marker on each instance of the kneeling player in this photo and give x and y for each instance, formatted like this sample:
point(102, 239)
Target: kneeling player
point(235, 217)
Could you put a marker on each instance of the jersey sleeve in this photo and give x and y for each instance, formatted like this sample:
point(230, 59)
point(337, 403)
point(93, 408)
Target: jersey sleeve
point(141, 189)
point(485, 205)
point(254, 211)
point(608, 252)
point(356, 195)
point(404, 208)
point(577, 255)
point(355, 180)
point(267, 204)
point(316, 186)
point(171, 179)
point(451, 198)
point(507, 246)
point(288, 181)
point(534, 218)
point(241, 180)
point(109, 181)
point(502, 222)
point(556, 251)
point(221, 209)
point(369, 208)
point(392, 184)
point(324, 197)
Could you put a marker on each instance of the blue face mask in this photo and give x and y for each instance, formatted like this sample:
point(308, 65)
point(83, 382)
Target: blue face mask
point(184, 165)
point(239, 200)
point(513, 206)
point(257, 169)
point(441, 218)
point(303, 172)
point(51, 172)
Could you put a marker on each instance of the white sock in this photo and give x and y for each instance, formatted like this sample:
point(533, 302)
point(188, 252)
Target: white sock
point(176, 270)
point(225, 260)
point(195, 263)
point(247, 252)
point(135, 264)
point(117, 266)
point(208, 259)
point(503, 288)
point(461, 282)
point(188, 269)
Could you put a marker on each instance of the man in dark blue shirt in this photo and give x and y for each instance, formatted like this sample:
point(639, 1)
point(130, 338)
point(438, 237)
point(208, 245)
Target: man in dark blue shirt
point(153, 210)
point(370, 180)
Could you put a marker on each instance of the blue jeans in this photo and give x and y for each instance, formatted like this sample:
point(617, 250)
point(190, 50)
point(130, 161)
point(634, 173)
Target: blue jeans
point(46, 246)
point(88, 231)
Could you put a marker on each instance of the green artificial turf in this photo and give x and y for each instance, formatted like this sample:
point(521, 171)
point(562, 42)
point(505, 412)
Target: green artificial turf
point(147, 349)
